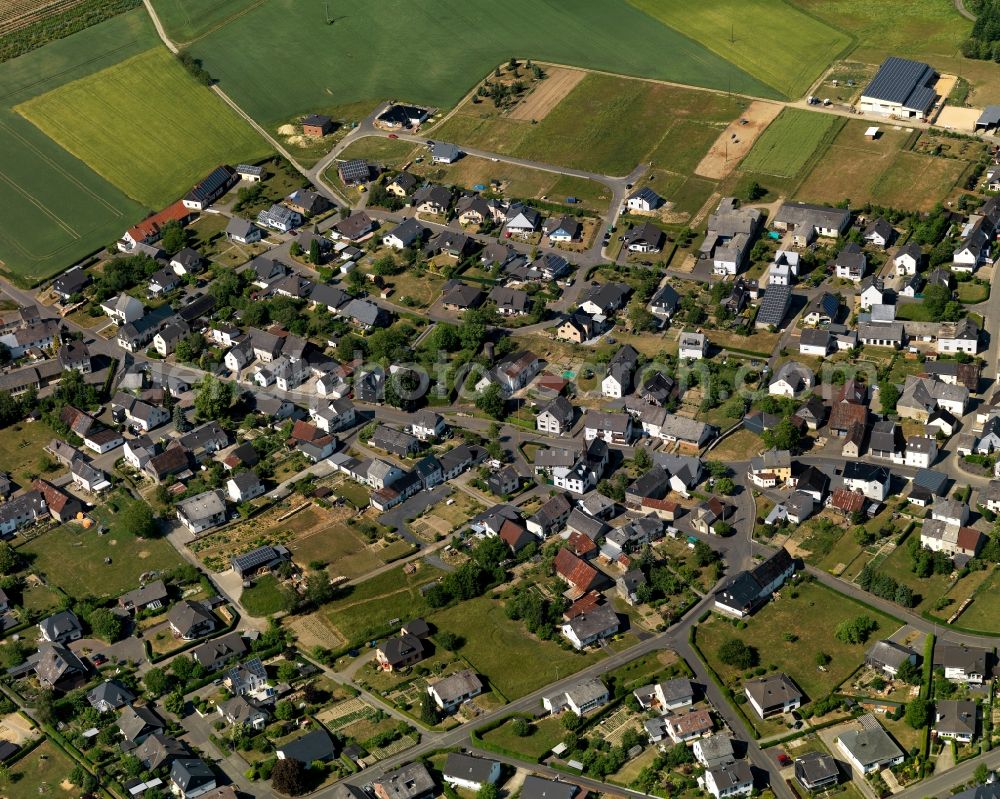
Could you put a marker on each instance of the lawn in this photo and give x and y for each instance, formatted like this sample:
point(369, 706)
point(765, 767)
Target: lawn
point(183, 125)
point(789, 142)
point(824, 609)
point(584, 130)
point(884, 171)
point(381, 150)
point(927, 589)
point(366, 610)
point(74, 560)
point(773, 41)
point(493, 643)
point(22, 457)
point(359, 56)
point(38, 774)
point(57, 209)
point(545, 733)
point(266, 597)
point(684, 144)
point(984, 611)
point(340, 547)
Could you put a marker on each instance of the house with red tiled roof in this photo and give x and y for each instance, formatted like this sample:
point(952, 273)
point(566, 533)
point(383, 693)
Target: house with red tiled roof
point(580, 575)
point(515, 536)
point(584, 604)
point(150, 229)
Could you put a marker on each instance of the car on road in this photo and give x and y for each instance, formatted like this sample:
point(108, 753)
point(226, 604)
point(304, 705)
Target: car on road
point(393, 136)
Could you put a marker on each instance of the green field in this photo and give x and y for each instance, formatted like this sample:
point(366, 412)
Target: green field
point(57, 209)
point(493, 643)
point(367, 608)
point(545, 733)
point(789, 142)
point(74, 560)
point(266, 597)
point(145, 125)
point(771, 39)
point(584, 130)
point(39, 774)
point(824, 609)
point(187, 20)
point(362, 57)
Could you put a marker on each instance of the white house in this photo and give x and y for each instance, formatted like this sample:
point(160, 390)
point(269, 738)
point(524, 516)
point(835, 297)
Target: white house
point(920, 452)
point(869, 749)
point(693, 346)
point(729, 779)
point(471, 773)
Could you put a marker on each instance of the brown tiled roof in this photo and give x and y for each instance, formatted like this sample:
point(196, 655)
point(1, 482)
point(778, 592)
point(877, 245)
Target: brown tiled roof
point(581, 544)
point(575, 571)
point(848, 501)
point(845, 414)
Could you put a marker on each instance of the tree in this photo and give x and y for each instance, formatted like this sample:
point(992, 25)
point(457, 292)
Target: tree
point(181, 423)
point(488, 791)
point(521, 727)
point(491, 401)
point(213, 398)
point(704, 554)
point(174, 703)
point(10, 561)
point(288, 671)
point(450, 641)
point(105, 625)
point(136, 518)
point(918, 713)
point(285, 711)
point(173, 237)
point(725, 486)
point(155, 681)
point(755, 191)
point(822, 659)
point(909, 672)
point(315, 255)
point(428, 710)
point(888, 396)
point(640, 317)
point(642, 459)
point(288, 777)
point(734, 652)
point(981, 774)
point(784, 435)
point(83, 779)
point(856, 630)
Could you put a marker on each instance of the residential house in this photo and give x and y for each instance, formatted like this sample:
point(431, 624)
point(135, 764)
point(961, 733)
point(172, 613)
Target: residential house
point(202, 511)
point(471, 773)
point(869, 748)
point(748, 590)
point(455, 689)
point(729, 779)
point(190, 620)
point(693, 346)
point(773, 695)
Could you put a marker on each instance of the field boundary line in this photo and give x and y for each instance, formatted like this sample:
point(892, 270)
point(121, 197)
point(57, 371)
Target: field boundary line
point(70, 69)
point(219, 26)
point(39, 205)
point(61, 170)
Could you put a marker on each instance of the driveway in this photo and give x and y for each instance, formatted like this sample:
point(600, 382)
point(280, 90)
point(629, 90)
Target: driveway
point(413, 507)
point(127, 649)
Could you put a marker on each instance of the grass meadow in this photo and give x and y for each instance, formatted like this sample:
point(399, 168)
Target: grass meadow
point(494, 643)
point(771, 39)
point(74, 559)
point(670, 125)
point(57, 209)
point(360, 56)
point(788, 143)
point(766, 631)
point(885, 171)
point(145, 125)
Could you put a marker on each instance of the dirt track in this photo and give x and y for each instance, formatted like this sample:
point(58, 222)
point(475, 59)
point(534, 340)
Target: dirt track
point(736, 140)
point(547, 94)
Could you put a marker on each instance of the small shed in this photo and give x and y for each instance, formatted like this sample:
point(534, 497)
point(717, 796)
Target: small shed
point(872, 133)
